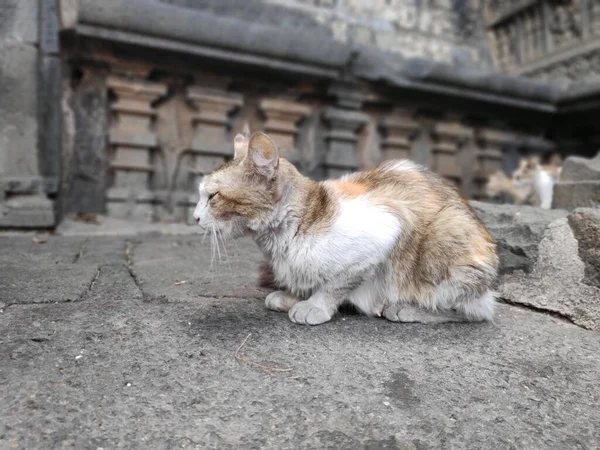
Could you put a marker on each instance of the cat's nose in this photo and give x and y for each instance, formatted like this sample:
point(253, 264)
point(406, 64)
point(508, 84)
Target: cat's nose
point(197, 219)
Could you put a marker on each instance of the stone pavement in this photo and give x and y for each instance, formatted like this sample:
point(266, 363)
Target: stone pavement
point(120, 342)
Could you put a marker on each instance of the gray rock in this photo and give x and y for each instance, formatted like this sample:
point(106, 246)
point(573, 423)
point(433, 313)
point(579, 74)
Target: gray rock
point(579, 184)
point(517, 230)
point(585, 223)
point(576, 168)
point(557, 281)
point(575, 194)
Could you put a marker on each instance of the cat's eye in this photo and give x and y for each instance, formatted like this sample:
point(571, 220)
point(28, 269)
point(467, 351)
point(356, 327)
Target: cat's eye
point(211, 196)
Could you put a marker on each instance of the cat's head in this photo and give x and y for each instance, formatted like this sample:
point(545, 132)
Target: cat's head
point(241, 195)
point(527, 168)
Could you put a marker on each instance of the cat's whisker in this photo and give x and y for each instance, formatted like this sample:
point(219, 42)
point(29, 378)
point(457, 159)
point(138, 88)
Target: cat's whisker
point(212, 246)
point(216, 237)
point(227, 260)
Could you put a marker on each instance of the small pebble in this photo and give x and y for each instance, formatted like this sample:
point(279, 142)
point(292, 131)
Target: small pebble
point(78, 356)
point(386, 403)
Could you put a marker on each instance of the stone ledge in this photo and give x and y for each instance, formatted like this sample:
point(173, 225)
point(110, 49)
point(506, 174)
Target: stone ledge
point(27, 211)
point(161, 20)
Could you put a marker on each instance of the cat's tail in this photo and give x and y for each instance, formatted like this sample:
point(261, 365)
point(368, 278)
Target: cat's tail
point(481, 309)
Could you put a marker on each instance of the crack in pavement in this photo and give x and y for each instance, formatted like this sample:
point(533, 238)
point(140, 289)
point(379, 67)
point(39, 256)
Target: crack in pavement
point(538, 310)
point(129, 249)
point(80, 252)
point(82, 297)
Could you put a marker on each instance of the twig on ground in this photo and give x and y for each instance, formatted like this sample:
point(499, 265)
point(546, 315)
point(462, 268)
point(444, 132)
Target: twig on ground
point(253, 364)
point(179, 283)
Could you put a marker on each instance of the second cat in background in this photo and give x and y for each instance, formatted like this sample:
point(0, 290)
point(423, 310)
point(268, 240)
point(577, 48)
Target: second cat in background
point(531, 184)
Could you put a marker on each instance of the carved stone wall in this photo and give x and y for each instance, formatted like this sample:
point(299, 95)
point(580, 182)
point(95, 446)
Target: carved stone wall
point(164, 133)
point(443, 30)
point(546, 39)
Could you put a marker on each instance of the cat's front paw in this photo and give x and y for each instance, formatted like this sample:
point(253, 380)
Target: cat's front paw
point(306, 313)
point(280, 301)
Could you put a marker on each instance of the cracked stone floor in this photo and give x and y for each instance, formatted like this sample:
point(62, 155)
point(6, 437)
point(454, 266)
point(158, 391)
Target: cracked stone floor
point(113, 342)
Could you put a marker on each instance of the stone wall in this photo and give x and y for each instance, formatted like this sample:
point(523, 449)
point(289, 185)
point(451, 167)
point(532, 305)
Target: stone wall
point(164, 131)
point(29, 162)
point(447, 31)
point(139, 99)
point(546, 39)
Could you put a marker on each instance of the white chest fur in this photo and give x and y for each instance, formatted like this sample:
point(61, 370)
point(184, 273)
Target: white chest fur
point(362, 235)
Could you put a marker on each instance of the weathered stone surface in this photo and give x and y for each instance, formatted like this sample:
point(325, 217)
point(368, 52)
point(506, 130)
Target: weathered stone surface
point(283, 117)
point(89, 161)
point(134, 139)
point(114, 371)
point(576, 168)
point(439, 30)
point(50, 117)
point(341, 154)
point(574, 194)
point(19, 21)
point(18, 109)
point(223, 271)
point(162, 20)
point(27, 211)
point(579, 184)
point(556, 282)
point(585, 223)
point(55, 270)
point(518, 230)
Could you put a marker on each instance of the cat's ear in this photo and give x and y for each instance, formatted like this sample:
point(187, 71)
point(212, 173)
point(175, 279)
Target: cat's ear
point(240, 143)
point(263, 155)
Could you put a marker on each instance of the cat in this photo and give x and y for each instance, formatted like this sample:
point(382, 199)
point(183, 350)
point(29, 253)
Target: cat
point(396, 242)
point(499, 186)
point(540, 178)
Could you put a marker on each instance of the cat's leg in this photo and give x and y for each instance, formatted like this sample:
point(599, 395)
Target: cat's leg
point(319, 308)
point(323, 304)
point(281, 301)
point(400, 312)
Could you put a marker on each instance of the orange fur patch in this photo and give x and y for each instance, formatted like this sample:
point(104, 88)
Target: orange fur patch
point(349, 189)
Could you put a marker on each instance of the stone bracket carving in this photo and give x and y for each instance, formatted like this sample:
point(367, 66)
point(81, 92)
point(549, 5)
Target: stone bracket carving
point(211, 145)
point(344, 125)
point(133, 140)
point(455, 155)
point(283, 117)
point(399, 130)
point(211, 120)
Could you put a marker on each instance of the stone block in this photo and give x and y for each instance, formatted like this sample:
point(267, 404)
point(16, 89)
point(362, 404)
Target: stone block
point(341, 154)
point(90, 156)
point(50, 116)
point(585, 223)
point(517, 230)
point(49, 27)
point(18, 110)
point(282, 122)
point(576, 168)
point(574, 194)
point(556, 283)
point(19, 21)
point(27, 211)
